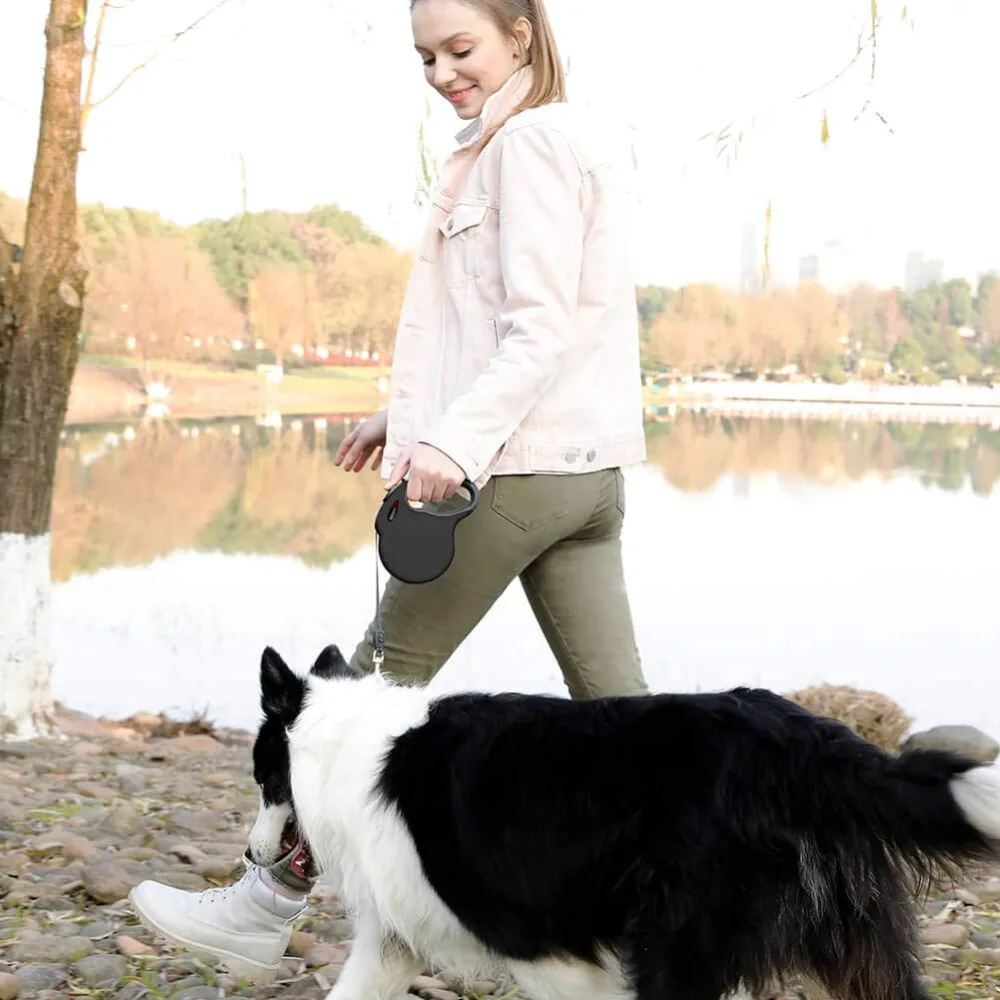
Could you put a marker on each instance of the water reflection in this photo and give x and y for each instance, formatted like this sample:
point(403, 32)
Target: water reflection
point(756, 551)
point(125, 497)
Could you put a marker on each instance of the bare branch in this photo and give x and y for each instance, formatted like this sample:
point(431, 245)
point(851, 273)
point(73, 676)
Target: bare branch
point(175, 37)
point(92, 70)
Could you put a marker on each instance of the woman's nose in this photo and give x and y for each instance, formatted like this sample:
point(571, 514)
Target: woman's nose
point(444, 73)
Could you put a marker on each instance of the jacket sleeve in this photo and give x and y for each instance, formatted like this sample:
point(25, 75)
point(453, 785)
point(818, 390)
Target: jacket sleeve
point(541, 251)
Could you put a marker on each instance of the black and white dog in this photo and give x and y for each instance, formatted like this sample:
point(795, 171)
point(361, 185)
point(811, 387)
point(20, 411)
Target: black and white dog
point(667, 847)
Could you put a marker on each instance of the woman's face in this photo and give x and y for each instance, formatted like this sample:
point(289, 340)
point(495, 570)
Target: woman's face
point(466, 57)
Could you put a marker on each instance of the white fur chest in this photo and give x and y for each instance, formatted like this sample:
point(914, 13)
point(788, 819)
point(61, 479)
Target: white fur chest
point(363, 846)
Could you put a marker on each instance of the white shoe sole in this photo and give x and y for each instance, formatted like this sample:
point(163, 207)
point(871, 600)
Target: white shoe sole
point(239, 965)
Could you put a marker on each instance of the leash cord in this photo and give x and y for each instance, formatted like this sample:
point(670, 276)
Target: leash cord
point(378, 656)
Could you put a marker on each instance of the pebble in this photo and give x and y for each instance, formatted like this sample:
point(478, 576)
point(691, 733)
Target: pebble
point(108, 881)
point(989, 892)
point(68, 845)
point(968, 897)
point(132, 948)
point(953, 935)
point(982, 956)
point(132, 991)
point(980, 940)
point(101, 971)
point(132, 780)
point(427, 983)
point(35, 978)
point(323, 953)
point(967, 741)
point(34, 947)
point(10, 986)
point(300, 942)
point(200, 822)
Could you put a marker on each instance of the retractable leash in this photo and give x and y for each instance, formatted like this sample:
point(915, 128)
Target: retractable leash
point(414, 544)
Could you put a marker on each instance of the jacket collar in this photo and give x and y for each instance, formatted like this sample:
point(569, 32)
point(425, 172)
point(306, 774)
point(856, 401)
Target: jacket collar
point(498, 107)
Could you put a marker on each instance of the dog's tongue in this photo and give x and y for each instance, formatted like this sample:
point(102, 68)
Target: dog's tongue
point(301, 858)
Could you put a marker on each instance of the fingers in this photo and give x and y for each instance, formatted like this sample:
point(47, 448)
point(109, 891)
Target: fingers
point(415, 487)
point(377, 460)
point(346, 445)
point(398, 471)
point(357, 457)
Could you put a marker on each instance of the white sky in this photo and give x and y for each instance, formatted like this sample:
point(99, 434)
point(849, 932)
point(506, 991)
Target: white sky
point(325, 109)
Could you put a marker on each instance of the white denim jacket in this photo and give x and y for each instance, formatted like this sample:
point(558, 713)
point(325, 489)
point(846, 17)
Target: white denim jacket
point(518, 343)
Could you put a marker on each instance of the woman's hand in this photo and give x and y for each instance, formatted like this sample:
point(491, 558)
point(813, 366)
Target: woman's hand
point(433, 475)
point(365, 440)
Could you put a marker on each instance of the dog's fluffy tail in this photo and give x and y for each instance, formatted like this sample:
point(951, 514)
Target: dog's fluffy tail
point(938, 810)
point(977, 794)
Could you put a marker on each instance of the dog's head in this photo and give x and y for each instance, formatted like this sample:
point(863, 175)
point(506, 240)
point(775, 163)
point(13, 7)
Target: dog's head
point(282, 696)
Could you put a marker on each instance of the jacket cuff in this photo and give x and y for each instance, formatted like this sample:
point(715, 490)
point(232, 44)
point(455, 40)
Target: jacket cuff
point(457, 447)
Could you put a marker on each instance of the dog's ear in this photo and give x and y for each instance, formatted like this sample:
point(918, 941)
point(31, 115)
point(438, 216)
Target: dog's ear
point(331, 664)
point(281, 690)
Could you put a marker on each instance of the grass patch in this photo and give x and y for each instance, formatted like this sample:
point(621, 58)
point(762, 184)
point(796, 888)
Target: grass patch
point(66, 811)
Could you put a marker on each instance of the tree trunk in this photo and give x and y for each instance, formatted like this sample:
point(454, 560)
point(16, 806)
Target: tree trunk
point(41, 304)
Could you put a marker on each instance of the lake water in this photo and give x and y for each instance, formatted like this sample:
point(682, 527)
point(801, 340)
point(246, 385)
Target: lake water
point(772, 553)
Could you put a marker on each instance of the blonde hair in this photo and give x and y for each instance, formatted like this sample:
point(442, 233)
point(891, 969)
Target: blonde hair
point(548, 79)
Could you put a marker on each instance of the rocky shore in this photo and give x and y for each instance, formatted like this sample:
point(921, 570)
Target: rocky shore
point(86, 817)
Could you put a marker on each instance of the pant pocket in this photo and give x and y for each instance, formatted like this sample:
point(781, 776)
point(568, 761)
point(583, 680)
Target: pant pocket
point(620, 491)
point(533, 500)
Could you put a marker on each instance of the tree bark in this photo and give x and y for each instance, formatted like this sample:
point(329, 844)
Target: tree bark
point(41, 304)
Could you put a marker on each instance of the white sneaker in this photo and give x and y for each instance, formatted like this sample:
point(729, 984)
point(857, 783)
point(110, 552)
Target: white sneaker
point(244, 926)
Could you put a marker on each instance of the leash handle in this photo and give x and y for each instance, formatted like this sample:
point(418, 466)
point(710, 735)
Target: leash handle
point(416, 545)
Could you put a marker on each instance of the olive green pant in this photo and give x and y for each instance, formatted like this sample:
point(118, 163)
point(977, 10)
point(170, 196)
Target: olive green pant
point(561, 536)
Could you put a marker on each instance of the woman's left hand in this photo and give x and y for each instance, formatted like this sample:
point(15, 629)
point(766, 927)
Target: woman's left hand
point(433, 475)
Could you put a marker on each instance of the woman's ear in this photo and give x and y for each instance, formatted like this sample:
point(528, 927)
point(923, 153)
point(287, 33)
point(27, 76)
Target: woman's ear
point(522, 35)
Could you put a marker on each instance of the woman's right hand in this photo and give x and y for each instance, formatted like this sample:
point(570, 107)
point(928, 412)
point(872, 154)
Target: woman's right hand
point(365, 440)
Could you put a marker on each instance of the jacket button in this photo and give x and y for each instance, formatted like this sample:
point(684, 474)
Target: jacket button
point(451, 225)
point(570, 457)
point(591, 455)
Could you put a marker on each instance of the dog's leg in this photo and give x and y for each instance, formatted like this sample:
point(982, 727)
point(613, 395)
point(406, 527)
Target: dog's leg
point(379, 966)
point(676, 971)
point(655, 981)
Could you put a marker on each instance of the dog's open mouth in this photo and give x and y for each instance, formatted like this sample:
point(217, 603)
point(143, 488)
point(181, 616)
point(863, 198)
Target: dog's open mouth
point(294, 851)
point(291, 839)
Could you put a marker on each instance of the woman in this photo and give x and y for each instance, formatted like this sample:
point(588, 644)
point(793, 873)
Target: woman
point(516, 365)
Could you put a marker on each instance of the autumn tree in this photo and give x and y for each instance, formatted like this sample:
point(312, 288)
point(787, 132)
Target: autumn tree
point(158, 297)
point(363, 288)
point(695, 328)
point(988, 309)
point(41, 304)
point(822, 326)
point(283, 308)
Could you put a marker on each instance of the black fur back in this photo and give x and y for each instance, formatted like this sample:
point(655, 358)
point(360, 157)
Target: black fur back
point(709, 840)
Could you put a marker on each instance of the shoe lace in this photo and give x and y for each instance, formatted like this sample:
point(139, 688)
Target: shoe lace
point(217, 895)
point(222, 893)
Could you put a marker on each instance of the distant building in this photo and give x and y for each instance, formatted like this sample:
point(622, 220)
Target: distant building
point(921, 272)
point(809, 268)
point(830, 266)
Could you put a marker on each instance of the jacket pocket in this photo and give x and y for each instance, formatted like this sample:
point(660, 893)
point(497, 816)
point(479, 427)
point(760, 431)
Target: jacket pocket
point(461, 219)
point(461, 236)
